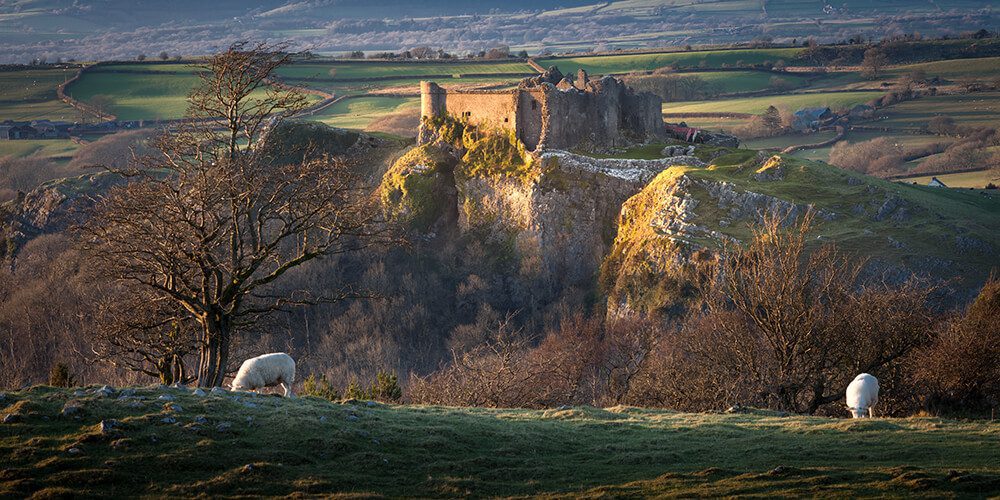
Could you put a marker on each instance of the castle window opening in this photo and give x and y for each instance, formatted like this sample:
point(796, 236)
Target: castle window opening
point(534, 105)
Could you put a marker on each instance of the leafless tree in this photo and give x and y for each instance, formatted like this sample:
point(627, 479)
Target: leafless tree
point(793, 325)
point(211, 221)
point(874, 61)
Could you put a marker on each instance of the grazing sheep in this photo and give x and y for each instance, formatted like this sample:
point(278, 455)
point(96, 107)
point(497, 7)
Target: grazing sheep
point(862, 395)
point(267, 370)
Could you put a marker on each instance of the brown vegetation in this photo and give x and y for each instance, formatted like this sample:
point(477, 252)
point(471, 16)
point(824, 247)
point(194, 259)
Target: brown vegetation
point(779, 326)
point(208, 222)
point(961, 368)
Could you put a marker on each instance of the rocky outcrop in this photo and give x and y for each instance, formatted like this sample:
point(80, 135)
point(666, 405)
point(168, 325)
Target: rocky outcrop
point(52, 207)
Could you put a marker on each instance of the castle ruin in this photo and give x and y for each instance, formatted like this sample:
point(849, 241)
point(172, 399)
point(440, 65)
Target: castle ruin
point(552, 111)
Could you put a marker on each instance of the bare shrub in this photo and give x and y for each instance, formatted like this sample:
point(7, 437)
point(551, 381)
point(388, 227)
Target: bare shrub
point(880, 156)
point(25, 174)
point(961, 368)
point(786, 327)
point(585, 360)
point(113, 151)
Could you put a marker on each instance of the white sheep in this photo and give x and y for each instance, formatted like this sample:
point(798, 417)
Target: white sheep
point(267, 370)
point(862, 395)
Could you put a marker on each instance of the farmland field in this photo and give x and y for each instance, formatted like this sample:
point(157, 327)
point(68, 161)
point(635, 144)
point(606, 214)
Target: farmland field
point(743, 81)
point(46, 148)
point(358, 113)
point(980, 109)
point(31, 95)
point(959, 69)
point(352, 70)
point(757, 105)
point(140, 92)
point(645, 62)
point(977, 179)
point(785, 141)
point(137, 96)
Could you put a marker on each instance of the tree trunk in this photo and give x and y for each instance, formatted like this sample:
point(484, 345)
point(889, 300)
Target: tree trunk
point(214, 351)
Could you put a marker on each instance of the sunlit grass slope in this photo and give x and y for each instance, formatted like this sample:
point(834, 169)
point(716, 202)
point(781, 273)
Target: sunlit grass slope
point(238, 446)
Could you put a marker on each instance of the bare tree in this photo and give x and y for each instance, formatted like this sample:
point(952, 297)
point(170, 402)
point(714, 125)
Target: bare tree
point(154, 338)
point(211, 221)
point(793, 325)
point(873, 63)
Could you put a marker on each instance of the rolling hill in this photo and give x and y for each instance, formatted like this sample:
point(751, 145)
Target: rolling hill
point(159, 441)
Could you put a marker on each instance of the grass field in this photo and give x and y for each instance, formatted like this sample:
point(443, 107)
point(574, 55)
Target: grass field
point(987, 68)
point(785, 141)
point(645, 62)
point(744, 81)
point(47, 148)
point(358, 113)
point(349, 70)
point(961, 180)
point(407, 85)
point(757, 105)
point(137, 96)
point(31, 95)
point(980, 109)
point(272, 446)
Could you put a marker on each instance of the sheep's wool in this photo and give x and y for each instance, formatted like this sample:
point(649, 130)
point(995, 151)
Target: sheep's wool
point(267, 370)
point(862, 395)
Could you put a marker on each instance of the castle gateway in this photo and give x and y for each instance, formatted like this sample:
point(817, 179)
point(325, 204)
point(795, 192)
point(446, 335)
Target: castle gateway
point(551, 111)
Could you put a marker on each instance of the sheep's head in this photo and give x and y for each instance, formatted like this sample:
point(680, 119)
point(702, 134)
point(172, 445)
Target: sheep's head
point(237, 385)
point(859, 412)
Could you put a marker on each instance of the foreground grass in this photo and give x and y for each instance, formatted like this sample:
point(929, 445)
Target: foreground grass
point(272, 446)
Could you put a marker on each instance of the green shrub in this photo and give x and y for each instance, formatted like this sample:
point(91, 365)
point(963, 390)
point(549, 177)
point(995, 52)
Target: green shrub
point(319, 387)
point(60, 376)
point(386, 387)
point(354, 390)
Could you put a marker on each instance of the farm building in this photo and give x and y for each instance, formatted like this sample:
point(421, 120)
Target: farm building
point(810, 118)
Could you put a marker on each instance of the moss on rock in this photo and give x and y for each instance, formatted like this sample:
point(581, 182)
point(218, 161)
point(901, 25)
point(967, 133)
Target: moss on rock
point(648, 267)
point(414, 190)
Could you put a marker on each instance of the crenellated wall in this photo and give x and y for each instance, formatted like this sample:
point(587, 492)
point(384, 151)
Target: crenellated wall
point(606, 113)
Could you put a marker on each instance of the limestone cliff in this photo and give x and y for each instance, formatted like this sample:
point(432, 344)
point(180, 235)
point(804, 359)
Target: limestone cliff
point(636, 224)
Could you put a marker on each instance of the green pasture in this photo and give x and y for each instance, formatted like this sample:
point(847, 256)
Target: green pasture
point(729, 82)
point(985, 68)
point(138, 96)
point(408, 85)
point(978, 109)
point(377, 69)
point(978, 179)
point(645, 62)
point(785, 141)
point(358, 113)
point(47, 148)
point(757, 105)
point(31, 95)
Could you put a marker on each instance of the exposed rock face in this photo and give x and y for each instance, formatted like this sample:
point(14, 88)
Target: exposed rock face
point(52, 207)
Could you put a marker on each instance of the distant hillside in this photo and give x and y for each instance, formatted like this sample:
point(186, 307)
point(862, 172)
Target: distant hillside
point(117, 29)
point(168, 442)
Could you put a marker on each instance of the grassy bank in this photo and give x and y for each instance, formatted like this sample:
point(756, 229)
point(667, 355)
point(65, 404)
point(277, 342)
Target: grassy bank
point(271, 446)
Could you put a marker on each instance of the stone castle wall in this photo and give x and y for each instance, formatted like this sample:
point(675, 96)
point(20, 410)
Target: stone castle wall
point(603, 113)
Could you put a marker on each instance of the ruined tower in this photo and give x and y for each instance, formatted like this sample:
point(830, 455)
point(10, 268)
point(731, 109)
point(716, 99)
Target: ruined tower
point(599, 113)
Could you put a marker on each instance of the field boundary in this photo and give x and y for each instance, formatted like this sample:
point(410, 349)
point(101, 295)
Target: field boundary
point(80, 105)
point(909, 175)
